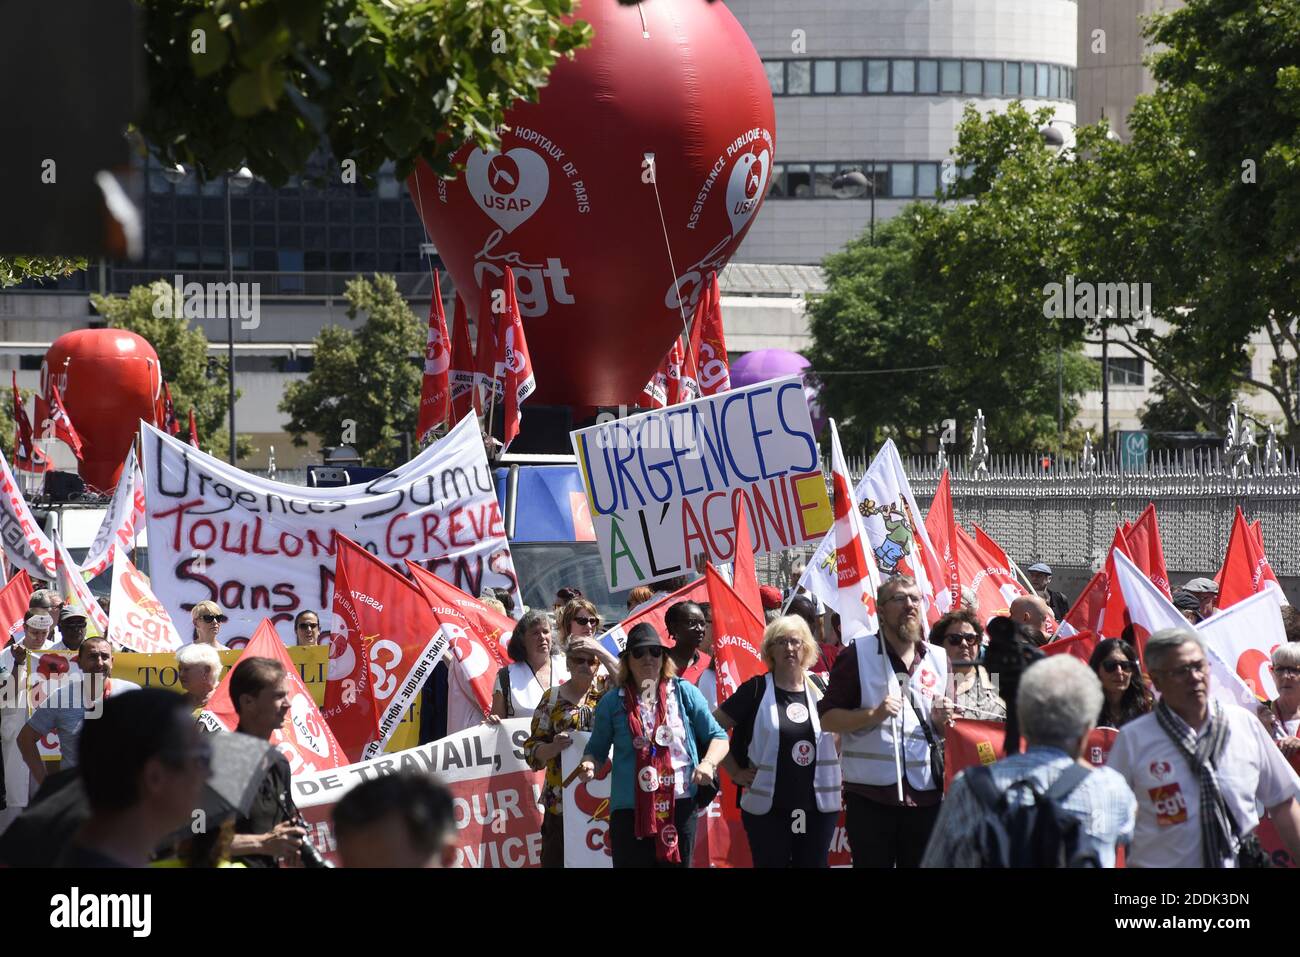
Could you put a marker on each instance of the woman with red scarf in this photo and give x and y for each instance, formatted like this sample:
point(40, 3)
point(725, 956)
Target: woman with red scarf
point(657, 725)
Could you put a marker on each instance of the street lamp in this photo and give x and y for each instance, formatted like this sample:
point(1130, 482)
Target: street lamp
point(240, 180)
point(851, 184)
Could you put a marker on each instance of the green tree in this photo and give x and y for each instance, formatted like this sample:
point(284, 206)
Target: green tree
point(267, 81)
point(196, 380)
point(16, 269)
point(364, 388)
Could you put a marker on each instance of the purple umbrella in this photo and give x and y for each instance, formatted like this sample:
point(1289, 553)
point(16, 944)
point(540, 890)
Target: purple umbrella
point(754, 367)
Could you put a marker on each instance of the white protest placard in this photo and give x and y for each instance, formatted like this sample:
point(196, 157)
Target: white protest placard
point(494, 793)
point(586, 810)
point(136, 618)
point(25, 542)
point(125, 515)
point(263, 549)
point(665, 486)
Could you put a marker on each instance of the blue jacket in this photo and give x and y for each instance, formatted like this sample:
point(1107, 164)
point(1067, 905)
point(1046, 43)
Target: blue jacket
point(609, 727)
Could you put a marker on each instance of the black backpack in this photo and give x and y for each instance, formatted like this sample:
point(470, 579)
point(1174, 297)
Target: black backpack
point(1041, 833)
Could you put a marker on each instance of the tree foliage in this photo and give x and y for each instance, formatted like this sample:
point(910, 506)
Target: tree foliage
point(196, 380)
point(266, 82)
point(364, 388)
point(16, 269)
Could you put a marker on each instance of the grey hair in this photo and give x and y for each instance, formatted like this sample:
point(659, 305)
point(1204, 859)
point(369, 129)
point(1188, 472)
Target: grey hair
point(1287, 655)
point(1165, 642)
point(1058, 702)
point(199, 655)
point(43, 598)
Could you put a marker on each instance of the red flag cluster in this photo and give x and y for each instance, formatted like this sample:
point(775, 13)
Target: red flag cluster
point(702, 369)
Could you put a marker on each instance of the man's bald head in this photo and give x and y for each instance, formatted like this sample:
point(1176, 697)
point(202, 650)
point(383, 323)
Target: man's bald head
point(1031, 610)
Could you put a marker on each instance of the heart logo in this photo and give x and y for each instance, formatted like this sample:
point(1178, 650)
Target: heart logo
point(746, 187)
point(509, 187)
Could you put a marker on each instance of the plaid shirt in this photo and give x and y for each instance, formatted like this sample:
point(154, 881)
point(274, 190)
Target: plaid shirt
point(1103, 802)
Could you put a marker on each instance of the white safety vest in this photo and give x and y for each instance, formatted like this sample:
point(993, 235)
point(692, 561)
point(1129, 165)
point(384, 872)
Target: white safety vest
point(868, 756)
point(765, 741)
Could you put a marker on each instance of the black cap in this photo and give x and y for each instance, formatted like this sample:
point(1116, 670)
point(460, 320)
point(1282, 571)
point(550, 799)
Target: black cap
point(1186, 601)
point(641, 635)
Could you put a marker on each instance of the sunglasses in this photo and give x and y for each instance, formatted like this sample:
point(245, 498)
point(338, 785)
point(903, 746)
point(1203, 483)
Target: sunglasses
point(593, 622)
point(654, 651)
point(211, 618)
point(582, 660)
point(966, 637)
point(1114, 666)
point(309, 624)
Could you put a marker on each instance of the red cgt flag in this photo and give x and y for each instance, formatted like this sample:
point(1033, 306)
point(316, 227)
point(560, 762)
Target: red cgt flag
point(516, 366)
point(477, 633)
point(744, 575)
point(194, 430)
point(1245, 570)
point(305, 738)
point(13, 605)
point(1144, 547)
point(1115, 618)
point(941, 526)
point(462, 364)
point(1080, 645)
point(654, 612)
point(737, 636)
point(435, 389)
point(712, 368)
point(26, 456)
point(672, 371)
point(1085, 614)
point(391, 644)
point(996, 589)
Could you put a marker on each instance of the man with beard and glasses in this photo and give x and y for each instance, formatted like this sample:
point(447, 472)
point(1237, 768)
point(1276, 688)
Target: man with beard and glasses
point(886, 698)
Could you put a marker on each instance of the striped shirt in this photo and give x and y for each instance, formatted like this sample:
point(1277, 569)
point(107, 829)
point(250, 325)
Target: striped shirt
point(1103, 804)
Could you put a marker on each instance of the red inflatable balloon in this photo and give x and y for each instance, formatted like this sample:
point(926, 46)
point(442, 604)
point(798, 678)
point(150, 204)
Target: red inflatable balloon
point(109, 379)
point(570, 201)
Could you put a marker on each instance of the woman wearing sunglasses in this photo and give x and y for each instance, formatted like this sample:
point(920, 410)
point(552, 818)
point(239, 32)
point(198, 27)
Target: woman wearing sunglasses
point(960, 634)
point(578, 619)
point(561, 711)
point(1116, 663)
point(208, 619)
point(1282, 717)
point(657, 725)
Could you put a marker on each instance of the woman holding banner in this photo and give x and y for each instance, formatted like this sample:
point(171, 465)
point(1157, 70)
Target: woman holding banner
point(537, 667)
point(656, 725)
point(960, 634)
point(784, 762)
point(1115, 664)
point(562, 710)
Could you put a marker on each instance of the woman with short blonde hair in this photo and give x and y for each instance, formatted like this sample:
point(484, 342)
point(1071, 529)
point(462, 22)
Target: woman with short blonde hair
point(1282, 717)
point(780, 756)
point(208, 618)
point(198, 668)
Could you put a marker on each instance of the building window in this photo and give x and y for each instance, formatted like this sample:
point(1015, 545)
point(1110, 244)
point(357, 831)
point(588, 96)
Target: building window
point(1126, 371)
point(1011, 79)
point(902, 180)
point(903, 76)
point(1054, 84)
point(877, 76)
point(776, 75)
point(1026, 80)
point(992, 78)
point(972, 75)
point(823, 175)
point(824, 76)
point(1041, 83)
point(798, 77)
point(927, 180)
point(927, 76)
point(950, 76)
point(850, 76)
point(798, 180)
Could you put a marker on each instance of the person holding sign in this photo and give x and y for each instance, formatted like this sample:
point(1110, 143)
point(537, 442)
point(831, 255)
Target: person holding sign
point(656, 725)
point(886, 699)
point(537, 667)
point(780, 756)
point(562, 710)
point(1115, 663)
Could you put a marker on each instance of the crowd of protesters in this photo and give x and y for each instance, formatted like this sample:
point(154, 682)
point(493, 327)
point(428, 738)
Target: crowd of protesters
point(827, 729)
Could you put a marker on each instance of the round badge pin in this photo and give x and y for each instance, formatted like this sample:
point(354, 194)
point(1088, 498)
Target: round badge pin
point(663, 736)
point(648, 780)
point(802, 753)
point(640, 742)
point(796, 712)
point(668, 834)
